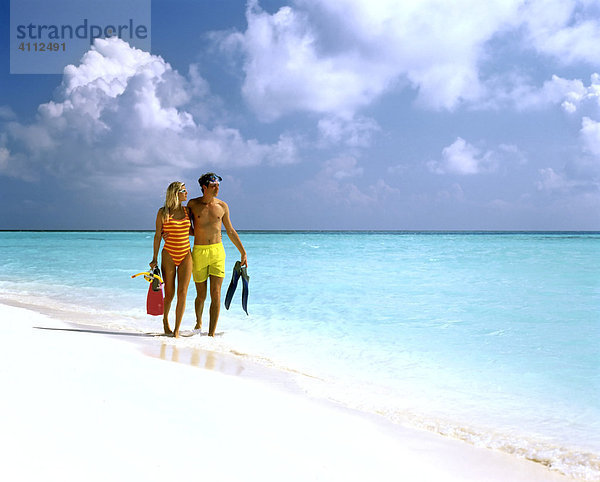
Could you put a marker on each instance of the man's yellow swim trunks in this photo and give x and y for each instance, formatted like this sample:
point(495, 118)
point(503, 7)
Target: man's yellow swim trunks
point(209, 260)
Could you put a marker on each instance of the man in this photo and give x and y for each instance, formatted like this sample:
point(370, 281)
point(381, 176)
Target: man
point(208, 214)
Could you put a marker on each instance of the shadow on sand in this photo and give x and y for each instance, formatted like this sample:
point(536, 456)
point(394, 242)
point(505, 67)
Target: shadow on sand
point(184, 334)
point(100, 332)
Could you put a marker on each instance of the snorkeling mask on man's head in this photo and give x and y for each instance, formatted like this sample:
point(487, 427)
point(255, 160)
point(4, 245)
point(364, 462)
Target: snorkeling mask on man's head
point(209, 178)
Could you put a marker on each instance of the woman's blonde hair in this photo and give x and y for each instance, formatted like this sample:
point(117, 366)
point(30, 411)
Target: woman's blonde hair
point(172, 202)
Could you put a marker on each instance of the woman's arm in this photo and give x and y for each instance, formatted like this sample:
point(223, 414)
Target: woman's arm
point(157, 238)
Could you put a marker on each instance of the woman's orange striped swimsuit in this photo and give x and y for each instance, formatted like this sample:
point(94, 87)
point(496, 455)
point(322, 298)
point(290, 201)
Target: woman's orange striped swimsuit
point(177, 243)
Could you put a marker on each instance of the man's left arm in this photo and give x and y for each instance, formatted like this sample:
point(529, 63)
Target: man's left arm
point(233, 235)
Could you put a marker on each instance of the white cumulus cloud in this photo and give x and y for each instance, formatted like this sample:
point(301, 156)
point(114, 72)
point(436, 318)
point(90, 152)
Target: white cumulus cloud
point(581, 174)
point(568, 30)
point(355, 132)
point(463, 158)
point(564, 181)
point(335, 58)
point(578, 97)
point(121, 119)
point(590, 133)
point(285, 71)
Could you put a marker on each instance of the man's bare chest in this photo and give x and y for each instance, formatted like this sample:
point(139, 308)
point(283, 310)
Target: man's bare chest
point(206, 214)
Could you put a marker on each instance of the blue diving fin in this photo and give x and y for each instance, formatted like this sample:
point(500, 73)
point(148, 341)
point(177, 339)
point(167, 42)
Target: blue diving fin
point(245, 282)
point(238, 271)
point(233, 283)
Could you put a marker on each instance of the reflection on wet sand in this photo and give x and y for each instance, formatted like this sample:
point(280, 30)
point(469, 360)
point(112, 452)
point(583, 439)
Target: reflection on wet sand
point(234, 363)
point(198, 358)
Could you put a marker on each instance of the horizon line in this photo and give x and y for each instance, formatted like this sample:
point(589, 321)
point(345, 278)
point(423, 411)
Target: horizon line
point(318, 230)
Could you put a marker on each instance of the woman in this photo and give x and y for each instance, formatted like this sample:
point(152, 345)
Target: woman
point(173, 219)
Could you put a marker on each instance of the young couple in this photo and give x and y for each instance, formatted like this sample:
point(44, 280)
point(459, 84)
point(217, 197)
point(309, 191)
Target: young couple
point(203, 217)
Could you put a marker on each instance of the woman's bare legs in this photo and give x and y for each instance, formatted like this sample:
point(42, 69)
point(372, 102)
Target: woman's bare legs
point(184, 274)
point(168, 275)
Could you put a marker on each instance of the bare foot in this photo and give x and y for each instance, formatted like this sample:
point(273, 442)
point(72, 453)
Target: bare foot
point(176, 334)
point(167, 328)
point(198, 326)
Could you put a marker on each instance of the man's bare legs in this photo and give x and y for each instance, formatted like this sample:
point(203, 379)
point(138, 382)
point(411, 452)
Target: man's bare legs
point(215, 303)
point(199, 303)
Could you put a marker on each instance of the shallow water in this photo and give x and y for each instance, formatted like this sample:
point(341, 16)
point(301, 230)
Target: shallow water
point(488, 337)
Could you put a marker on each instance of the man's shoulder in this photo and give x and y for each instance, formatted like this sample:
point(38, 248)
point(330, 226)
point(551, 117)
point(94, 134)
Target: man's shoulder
point(222, 203)
point(193, 201)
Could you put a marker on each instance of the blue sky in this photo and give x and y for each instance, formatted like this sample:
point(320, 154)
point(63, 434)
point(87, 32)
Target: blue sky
point(351, 114)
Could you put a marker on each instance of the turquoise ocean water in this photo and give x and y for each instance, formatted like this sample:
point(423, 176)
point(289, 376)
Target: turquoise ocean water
point(493, 338)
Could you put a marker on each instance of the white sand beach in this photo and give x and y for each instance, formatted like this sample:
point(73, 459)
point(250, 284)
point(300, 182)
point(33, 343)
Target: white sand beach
point(87, 406)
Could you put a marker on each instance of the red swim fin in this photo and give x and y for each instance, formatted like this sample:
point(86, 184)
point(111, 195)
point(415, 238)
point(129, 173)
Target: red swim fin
point(155, 301)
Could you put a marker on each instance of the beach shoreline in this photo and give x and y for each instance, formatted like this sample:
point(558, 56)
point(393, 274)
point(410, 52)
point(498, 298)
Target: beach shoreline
point(82, 400)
